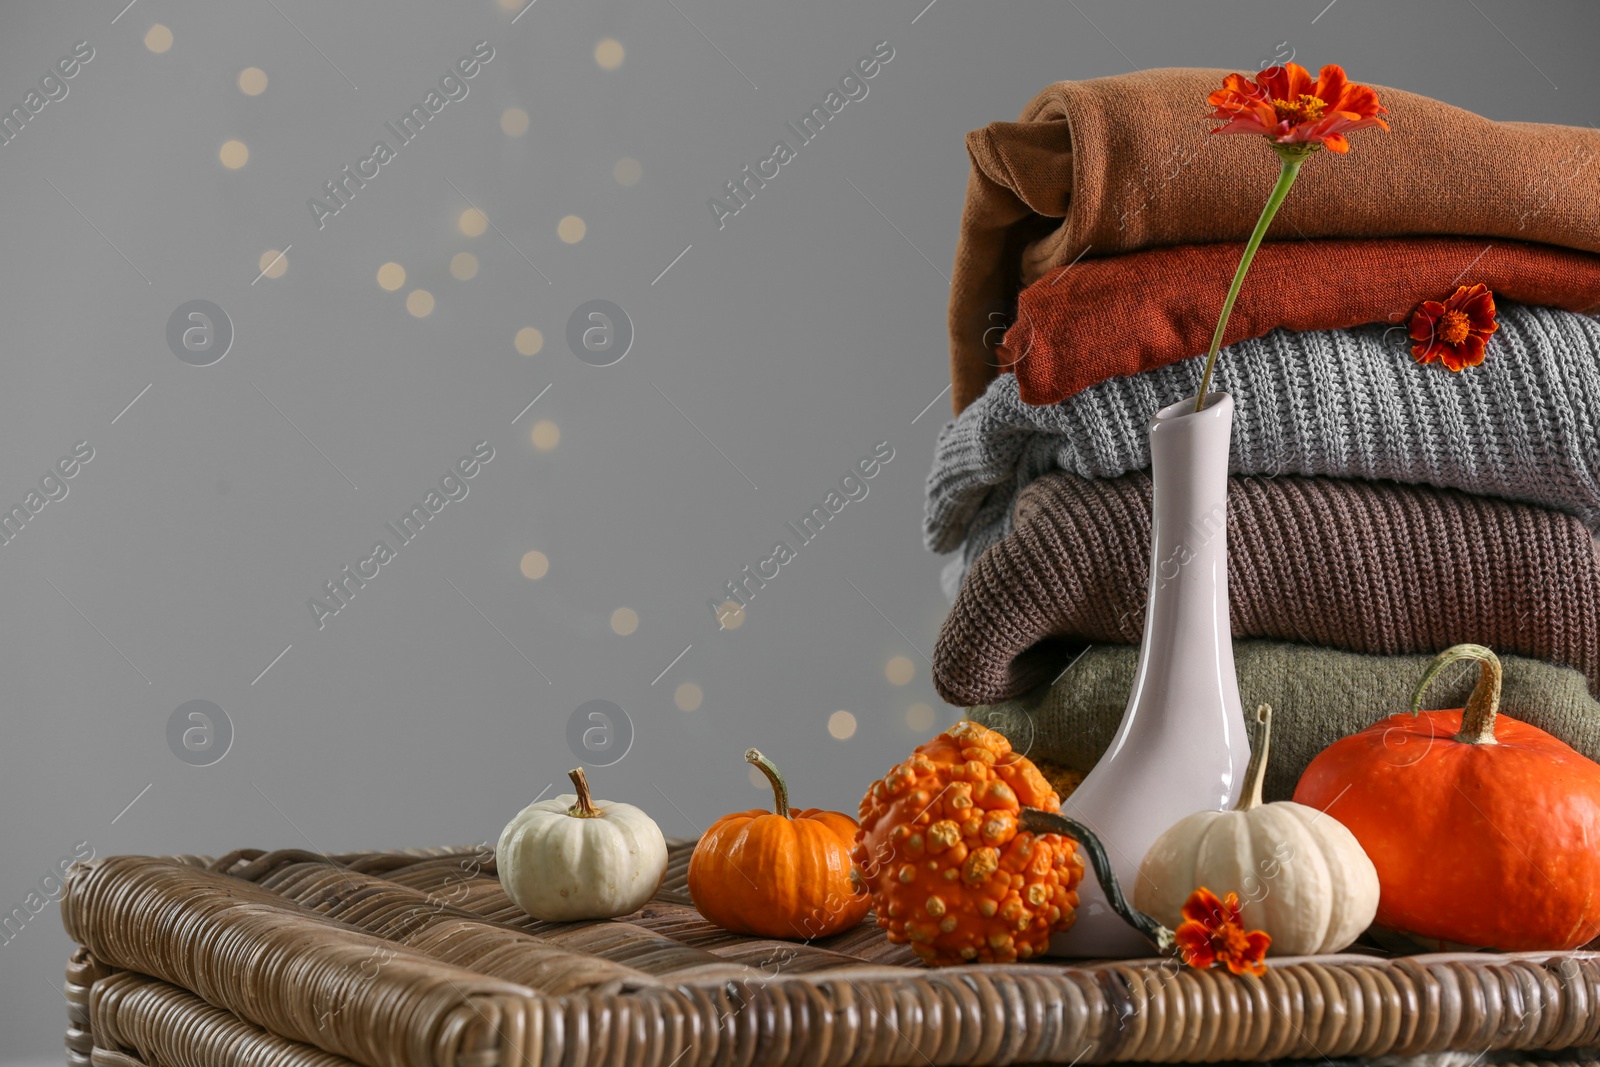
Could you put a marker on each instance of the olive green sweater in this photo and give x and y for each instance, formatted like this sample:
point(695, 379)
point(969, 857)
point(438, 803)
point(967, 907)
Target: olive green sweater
point(1318, 695)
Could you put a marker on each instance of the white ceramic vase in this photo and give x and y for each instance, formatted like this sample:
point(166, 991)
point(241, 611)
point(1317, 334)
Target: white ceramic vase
point(1181, 746)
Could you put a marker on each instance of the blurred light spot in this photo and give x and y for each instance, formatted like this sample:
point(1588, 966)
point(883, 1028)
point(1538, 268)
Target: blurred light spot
point(899, 670)
point(272, 263)
point(627, 172)
point(529, 341)
point(546, 435)
point(420, 303)
point(730, 614)
point(234, 154)
point(759, 780)
point(511, 5)
point(391, 276)
point(842, 725)
point(473, 222)
point(535, 565)
point(159, 39)
point(624, 621)
point(919, 717)
point(571, 229)
point(608, 53)
point(252, 81)
point(464, 265)
point(514, 122)
point(688, 697)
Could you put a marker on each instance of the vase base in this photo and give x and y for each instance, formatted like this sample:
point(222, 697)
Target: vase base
point(1099, 933)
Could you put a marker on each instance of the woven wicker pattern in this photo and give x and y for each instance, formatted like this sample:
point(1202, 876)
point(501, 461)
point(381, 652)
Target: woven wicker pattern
point(290, 958)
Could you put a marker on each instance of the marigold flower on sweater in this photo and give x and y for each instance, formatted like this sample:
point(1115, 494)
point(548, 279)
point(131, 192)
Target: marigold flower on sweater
point(1457, 331)
point(1284, 104)
point(1212, 933)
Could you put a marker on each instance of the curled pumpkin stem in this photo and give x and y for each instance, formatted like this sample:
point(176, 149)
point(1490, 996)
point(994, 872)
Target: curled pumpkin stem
point(1050, 822)
point(584, 808)
point(1477, 718)
point(780, 788)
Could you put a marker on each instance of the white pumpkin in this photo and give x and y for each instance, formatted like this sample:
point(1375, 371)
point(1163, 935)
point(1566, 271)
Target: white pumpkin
point(572, 857)
point(1300, 874)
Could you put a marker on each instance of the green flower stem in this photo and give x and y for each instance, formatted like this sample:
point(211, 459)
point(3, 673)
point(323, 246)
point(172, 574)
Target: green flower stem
point(1292, 157)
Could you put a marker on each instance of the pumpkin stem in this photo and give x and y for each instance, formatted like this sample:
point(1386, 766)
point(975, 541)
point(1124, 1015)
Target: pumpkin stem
point(1050, 822)
point(584, 808)
point(1256, 770)
point(1477, 718)
point(780, 789)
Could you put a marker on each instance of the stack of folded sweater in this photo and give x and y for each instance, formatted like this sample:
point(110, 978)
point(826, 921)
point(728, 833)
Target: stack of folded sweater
point(1380, 510)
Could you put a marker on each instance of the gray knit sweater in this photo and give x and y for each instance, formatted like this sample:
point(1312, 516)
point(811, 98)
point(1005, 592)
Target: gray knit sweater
point(1525, 425)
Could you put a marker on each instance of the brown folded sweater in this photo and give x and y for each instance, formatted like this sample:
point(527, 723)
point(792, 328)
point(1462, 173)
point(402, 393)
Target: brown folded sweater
point(1115, 165)
point(1159, 306)
point(1363, 566)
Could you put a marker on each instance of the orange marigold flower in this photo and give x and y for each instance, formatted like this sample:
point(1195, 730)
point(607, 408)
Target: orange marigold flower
point(1212, 932)
point(1457, 331)
point(1285, 105)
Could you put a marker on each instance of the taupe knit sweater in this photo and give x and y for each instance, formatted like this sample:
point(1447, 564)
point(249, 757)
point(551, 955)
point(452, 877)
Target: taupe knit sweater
point(1317, 695)
point(1365, 566)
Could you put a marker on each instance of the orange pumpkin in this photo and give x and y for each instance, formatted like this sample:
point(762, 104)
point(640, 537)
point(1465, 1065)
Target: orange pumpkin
point(1484, 829)
point(948, 865)
point(782, 873)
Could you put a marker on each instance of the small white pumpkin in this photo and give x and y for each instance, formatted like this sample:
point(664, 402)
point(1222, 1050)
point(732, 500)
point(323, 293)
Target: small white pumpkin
point(572, 857)
point(1300, 874)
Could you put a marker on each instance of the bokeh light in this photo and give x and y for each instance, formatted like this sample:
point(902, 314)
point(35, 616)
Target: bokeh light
point(529, 341)
point(545, 435)
point(158, 39)
point(842, 725)
point(420, 303)
point(464, 265)
point(252, 81)
point(624, 621)
point(234, 154)
point(627, 172)
point(473, 222)
point(535, 565)
point(899, 670)
point(514, 122)
point(272, 263)
point(919, 717)
point(571, 229)
point(391, 276)
point(688, 697)
point(608, 53)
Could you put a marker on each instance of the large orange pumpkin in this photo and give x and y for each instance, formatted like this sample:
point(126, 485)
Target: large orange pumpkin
point(782, 873)
point(950, 869)
point(1485, 830)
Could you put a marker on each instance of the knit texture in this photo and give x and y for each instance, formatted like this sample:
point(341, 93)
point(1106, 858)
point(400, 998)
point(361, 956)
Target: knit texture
point(1362, 566)
point(1525, 425)
point(1317, 695)
point(1156, 307)
point(1114, 165)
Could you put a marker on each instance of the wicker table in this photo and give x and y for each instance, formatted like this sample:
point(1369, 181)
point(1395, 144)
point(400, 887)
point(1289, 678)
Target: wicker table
point(293, 959)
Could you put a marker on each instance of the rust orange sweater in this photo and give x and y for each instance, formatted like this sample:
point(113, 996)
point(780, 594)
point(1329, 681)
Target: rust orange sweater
point(1103, 318)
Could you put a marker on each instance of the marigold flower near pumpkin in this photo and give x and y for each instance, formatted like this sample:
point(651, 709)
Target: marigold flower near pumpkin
point(1455, 332)
point(1285, 105)
point(1213, 933)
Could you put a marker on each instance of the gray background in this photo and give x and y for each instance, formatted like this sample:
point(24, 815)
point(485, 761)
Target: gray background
point(807, 330)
